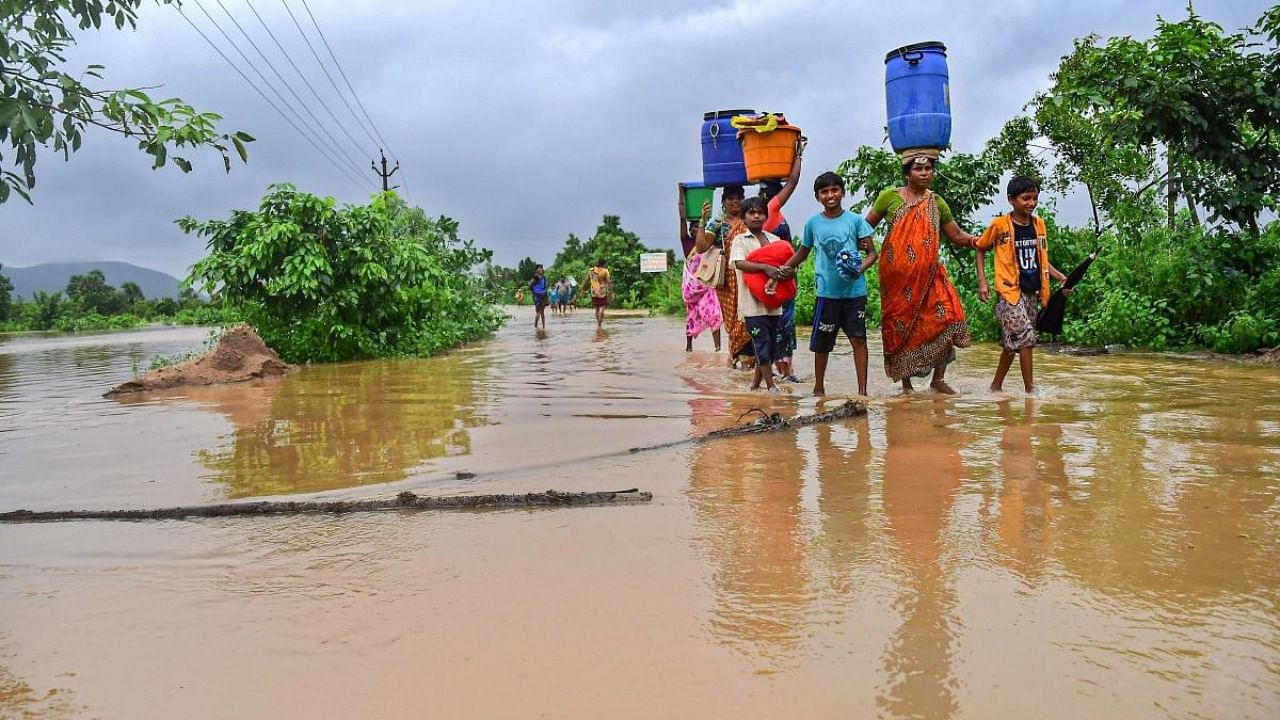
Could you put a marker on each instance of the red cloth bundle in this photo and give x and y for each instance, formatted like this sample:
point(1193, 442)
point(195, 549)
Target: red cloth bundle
point(775, 254)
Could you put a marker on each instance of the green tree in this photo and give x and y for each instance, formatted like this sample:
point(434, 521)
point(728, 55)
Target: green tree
point(1207, 100)
point(166, 306)
point(6, 295)
point(321, 282)
point(525, 268)
point(45, 307)
point(42, 104)
point(91, 293)
point(620, 250)
point(130, 294)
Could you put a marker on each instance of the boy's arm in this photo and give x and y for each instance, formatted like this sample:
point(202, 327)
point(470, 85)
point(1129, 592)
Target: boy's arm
point(984, 289)
point(1056, 274)
point(987, 240)
point(772, 271)
point(797, 257)
point(870, 256)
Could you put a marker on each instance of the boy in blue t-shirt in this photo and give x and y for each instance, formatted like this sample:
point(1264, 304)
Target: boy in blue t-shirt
point(842, 291)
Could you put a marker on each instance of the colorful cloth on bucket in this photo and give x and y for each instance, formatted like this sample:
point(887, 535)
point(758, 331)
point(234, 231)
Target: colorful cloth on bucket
point(760, 122)
point(922, 319)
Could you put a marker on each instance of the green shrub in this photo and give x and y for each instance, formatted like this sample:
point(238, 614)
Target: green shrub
point(325, 283)
point(664, 296)
point(211, 314)
point(1124, 317)
point(1243, 331)
point(94, 321)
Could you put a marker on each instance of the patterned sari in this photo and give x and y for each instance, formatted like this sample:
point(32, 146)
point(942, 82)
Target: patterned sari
point(922, 319)
point(725, 230)
point(702, 308)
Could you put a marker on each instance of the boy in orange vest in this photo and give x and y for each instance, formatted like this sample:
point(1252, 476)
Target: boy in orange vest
point(1022, 277)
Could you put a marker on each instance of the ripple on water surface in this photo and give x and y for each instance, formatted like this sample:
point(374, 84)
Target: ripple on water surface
point(1104, 549)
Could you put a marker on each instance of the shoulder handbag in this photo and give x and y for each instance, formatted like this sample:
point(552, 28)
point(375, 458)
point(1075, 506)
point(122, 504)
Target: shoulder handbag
point(712, 269)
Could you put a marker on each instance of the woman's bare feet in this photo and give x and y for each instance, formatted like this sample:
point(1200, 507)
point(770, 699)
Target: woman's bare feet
point(942, 387)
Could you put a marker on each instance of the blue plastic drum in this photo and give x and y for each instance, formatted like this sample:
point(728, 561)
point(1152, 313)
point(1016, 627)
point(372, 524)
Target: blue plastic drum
point(722, 162)
point(918, 96)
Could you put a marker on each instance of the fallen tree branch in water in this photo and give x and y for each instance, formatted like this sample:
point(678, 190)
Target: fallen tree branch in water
point(403, 501)
point(770, 422)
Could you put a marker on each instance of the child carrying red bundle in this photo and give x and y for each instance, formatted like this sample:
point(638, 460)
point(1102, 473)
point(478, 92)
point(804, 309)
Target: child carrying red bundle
point(773, 293)
point(761, 320)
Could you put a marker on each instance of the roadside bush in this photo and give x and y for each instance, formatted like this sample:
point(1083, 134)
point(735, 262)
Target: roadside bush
point(326, 283)
point(212, 314)
point(1243, 331)
point(94, 321)
point(664, 296)
point(1124, 317)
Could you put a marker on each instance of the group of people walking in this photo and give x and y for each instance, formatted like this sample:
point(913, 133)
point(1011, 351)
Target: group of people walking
point(922, 319)
point(561, 296)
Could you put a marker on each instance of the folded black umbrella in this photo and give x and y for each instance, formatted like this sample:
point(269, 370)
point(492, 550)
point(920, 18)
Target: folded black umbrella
point(1049, 318)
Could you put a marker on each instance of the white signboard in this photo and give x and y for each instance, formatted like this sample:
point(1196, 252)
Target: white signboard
point(653, 262)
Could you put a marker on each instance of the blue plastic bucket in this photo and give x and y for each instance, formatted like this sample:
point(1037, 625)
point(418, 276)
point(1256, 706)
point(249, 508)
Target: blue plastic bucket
point(722, 162)
point(918, 96)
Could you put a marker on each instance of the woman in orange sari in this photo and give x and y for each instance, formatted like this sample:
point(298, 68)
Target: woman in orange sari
point(922, 320)
point(720, 233)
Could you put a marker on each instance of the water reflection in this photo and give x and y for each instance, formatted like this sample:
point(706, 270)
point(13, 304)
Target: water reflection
point(338, 426)
point(746, 492)
point(843, 454)
point(8, 376)
point(1173, 506)
point(1032, 471)
point(922, 472)
point(18, 699)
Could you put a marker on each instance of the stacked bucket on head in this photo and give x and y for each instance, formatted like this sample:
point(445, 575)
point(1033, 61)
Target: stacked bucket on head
point(918, 98)
point(759, 147)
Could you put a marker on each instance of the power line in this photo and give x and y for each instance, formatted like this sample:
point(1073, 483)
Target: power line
point(305, 81)
point(272, 88)
point(332, 82)
point(343, 73)
point(318, 123)
point(340, 168)
point(383, 143)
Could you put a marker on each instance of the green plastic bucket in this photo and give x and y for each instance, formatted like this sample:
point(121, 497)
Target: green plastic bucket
point(695, 194)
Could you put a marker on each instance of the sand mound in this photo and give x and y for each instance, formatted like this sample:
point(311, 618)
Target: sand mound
point(239, 355)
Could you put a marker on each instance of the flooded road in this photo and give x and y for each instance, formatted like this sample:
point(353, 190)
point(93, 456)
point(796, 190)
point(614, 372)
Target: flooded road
point(1107, 549)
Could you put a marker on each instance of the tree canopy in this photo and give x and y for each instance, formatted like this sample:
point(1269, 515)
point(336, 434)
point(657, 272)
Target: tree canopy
point(45, 105)
point(321, 282)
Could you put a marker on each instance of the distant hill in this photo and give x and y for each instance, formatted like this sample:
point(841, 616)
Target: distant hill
point(54, 276)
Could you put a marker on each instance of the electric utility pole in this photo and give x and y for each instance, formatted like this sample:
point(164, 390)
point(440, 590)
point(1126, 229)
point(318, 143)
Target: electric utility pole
point(383, 173)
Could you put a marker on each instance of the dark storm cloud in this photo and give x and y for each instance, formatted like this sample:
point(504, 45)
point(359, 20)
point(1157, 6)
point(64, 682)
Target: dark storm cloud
point(528, 121)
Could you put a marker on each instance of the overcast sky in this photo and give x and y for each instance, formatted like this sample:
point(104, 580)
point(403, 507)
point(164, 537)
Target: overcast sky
point(529, 121)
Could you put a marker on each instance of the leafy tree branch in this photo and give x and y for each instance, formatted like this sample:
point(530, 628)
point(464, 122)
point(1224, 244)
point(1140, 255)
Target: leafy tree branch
point(43, 106)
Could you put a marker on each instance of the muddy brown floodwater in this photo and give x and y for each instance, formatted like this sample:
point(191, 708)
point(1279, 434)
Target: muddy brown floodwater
point(1107, 549)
